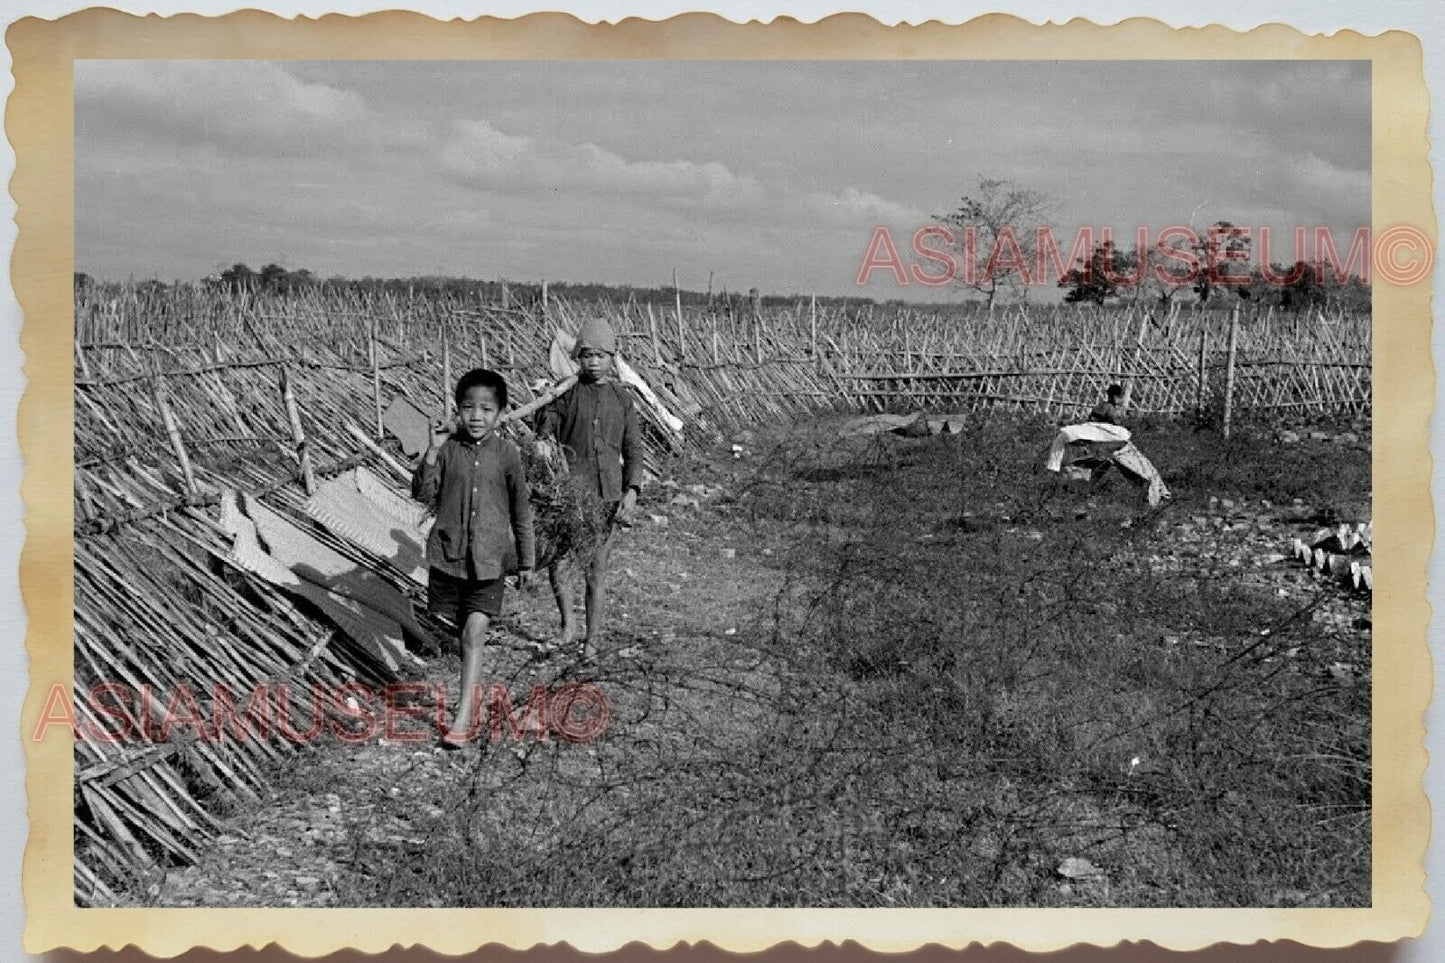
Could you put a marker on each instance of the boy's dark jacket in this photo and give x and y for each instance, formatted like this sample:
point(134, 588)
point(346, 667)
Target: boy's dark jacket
point(480, 494)
point(1106, 411)
point(596, 423)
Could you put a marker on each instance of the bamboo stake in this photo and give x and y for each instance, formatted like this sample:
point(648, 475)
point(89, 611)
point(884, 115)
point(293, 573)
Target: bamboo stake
point(380, 452)
point(173, 431)
point(1139, 349)
point(677, 304)
point(813, 327)
point(1202, 371)
point(373, 357)
point(115, 825)
point(80, 357)
point(298, 434)
point(1229, 369)
point(446, 378)
point(652, 329)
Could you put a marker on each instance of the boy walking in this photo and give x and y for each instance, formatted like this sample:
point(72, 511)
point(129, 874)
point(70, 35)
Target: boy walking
point(596, 423)
point(473, 479)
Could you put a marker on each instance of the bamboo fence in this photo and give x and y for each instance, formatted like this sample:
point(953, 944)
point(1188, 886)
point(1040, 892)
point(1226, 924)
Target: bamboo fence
point(183, 392)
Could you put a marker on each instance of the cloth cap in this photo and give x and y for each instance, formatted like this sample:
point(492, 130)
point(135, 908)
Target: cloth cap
point(596, 333)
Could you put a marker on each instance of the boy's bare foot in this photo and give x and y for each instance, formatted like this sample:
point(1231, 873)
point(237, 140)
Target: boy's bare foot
point(589, 651)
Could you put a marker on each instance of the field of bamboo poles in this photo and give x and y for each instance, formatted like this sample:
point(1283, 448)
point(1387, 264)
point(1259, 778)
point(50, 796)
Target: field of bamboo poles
point(183, 394)
point(732, 365)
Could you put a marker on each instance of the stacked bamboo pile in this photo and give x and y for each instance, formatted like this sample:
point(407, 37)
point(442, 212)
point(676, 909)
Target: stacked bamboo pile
point(156, 616)
point(265, 397)
point(1342, 553)
point(158, 612)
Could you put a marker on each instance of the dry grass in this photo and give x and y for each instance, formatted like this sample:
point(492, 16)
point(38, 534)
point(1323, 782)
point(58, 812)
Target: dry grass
point(944, 676)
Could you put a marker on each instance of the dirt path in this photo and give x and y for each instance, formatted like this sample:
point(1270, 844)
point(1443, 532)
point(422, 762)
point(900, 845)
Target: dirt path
point(681, 593)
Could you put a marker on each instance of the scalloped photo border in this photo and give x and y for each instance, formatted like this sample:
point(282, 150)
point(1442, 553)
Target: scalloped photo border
point(39, 123)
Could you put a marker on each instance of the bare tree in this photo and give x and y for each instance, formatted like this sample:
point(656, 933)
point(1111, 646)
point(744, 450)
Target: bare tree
point(1166, 274)
point(1004, 219)
point(1221, 252)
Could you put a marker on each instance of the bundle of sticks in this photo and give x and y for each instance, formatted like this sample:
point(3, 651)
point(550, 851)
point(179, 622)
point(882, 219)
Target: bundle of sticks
point(567, 517)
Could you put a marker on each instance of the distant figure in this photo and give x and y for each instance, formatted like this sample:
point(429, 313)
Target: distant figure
point(473, 479)
point(1110, 411)
point(596, 424)
point(1088, 451)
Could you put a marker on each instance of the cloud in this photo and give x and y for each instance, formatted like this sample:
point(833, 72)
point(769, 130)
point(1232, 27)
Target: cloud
point(249, 108)
point(770, 174)
point(852, 206)
point(479, 155)
point(1315, 175)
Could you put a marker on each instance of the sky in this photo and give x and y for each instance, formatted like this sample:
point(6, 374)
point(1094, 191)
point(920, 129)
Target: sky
point(765, 174)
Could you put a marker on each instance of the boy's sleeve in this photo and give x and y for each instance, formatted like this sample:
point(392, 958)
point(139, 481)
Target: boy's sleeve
point(631, 445)
point(520, 493)
point(426, 480)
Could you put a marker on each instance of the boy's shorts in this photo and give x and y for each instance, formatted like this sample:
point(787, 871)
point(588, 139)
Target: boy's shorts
point(457, 598)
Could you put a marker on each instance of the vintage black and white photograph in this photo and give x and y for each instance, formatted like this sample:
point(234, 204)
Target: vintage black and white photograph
point(805, 483)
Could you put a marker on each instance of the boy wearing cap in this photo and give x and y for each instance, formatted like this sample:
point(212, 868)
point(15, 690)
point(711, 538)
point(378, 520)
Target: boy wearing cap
point(596, 423)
